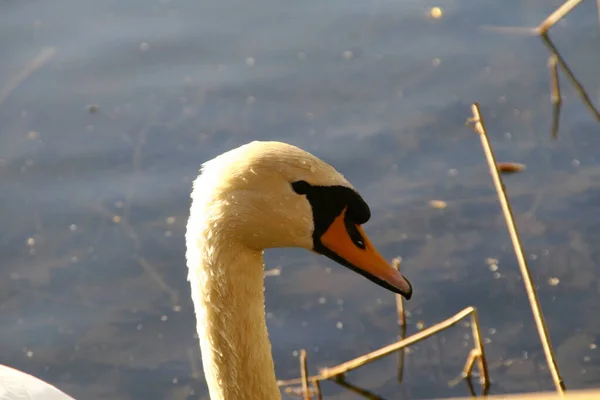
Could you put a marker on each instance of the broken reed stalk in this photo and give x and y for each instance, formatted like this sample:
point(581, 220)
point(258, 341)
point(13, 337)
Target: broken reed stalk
point(479, 127)
point(480, 357)
point(402, 323)
point(470, 363)
point(399, 298)
point(339, 370)
point(555, 96)
point(328, 373)
point(578, 86)
point(304, 375)
point(401, 356)
point(557, 15)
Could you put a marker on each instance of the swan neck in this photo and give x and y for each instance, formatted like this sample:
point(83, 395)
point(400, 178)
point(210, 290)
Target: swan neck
point(228, 293)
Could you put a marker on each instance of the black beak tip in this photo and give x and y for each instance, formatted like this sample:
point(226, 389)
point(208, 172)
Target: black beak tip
point(408, 294)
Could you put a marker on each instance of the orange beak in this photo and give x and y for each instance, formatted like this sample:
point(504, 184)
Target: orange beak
point(358, 253)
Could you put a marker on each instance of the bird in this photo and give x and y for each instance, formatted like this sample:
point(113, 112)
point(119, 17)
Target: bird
point(19, 385)
point(261, 195)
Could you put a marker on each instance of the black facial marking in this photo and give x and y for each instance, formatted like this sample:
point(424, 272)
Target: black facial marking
point(301, 187)
point(327, 204)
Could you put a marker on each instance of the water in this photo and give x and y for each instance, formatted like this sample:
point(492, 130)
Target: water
point(100, 140)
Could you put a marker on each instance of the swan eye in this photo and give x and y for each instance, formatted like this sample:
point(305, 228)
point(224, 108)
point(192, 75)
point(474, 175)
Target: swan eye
point(300, 187)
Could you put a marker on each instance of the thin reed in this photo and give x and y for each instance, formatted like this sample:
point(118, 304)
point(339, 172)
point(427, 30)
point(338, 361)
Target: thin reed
point(479, 127)
point(477, 354)
point(402, 323)
point(476, 357)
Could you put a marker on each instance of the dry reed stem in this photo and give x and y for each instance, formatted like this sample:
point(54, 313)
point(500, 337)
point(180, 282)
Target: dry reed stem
point(402, 323)
point(470, 363)
point(557, 15)
point(479, 127)
point(401, 356)
point(481, 359)
point(38, 62)
point(304, 375)
point(339, 370)
point(578, 86)
point(328, 373)
point(555, 95)
point(399, 298)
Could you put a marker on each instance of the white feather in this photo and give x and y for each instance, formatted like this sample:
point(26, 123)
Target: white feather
point(18, 385)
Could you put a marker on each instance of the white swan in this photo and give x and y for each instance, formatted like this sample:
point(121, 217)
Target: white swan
point(18, 385)
point(260, 195)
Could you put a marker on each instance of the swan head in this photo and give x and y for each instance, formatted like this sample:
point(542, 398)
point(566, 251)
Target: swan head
point(271, 194)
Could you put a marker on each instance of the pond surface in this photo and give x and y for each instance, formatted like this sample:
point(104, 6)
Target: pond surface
point(108, 108)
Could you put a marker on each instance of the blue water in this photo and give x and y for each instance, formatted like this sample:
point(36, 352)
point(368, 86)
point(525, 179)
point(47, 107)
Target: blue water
point(102, 136)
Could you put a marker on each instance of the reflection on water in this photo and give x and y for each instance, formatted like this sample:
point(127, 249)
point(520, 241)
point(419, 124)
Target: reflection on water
point(93, 290)
point(554, 61)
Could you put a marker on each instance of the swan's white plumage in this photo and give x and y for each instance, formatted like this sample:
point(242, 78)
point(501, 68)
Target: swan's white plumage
point(18, 385)
point(243, 203)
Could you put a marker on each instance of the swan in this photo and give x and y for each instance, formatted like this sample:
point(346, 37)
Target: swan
point(18, 385)
point(258, 196)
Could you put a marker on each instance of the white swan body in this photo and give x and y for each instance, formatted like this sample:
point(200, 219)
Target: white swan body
point(265, 195)
point(18, 385)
